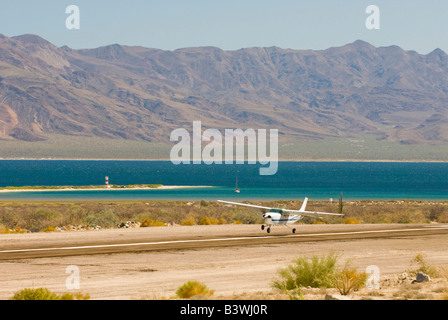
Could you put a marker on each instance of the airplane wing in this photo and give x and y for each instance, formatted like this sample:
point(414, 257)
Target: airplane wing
point(312, 214)
point(247, 205)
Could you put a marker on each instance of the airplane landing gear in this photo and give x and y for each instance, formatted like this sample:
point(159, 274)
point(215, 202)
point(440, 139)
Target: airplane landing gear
point(268, 230)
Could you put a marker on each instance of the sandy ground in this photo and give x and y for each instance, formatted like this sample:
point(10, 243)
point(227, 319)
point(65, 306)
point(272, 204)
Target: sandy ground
point(233, 272)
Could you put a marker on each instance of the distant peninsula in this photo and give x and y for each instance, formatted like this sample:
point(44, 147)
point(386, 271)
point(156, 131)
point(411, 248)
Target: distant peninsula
point(92, 188)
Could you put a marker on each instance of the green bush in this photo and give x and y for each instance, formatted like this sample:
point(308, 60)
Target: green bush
point(204, 203)
point(193, 288)
point(315, 272)
point(9, 218)
point(246, 217)
point(38, 219)
point(348, 280)
point(319, 272)
point(45, 294)
point(105, 218)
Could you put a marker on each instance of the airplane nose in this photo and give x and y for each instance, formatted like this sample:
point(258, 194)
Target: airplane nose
point(267, 219)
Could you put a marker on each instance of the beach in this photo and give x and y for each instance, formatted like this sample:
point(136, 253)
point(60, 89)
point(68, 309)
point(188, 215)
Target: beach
point(98, 189)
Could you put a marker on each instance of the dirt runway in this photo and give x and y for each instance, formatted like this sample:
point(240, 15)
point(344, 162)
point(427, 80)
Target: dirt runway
point(151, 263)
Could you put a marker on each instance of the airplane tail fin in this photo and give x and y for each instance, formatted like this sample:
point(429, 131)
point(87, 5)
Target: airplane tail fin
point(302, 208)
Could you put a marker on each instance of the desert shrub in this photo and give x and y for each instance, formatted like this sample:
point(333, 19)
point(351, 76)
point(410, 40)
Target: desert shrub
point(193, 288)
point(246, 217)
point(443, 272)
point(37, 216)
point(105, 218)
point(188, 222)
point(204, 203)
point(154, 214)
point(208, 221)
point(38, 219)
point(35, 294)
point(315, 272)
point(151, 223)
point(318, 272)
point(75, 296)
point(423, 266)
point(74, 215)
point(9, 218)
point(442, 218)
point(404, 219)
point(45, 294)
point(5, 230)
point(434, 213)
point(49, 229)
point(351, 221)
point(348, 280)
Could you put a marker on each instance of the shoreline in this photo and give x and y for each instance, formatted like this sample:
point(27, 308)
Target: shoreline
point(280, 160)
point(100, 189)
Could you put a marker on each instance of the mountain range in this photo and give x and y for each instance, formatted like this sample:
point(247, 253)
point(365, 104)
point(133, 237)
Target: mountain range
point(142, 94)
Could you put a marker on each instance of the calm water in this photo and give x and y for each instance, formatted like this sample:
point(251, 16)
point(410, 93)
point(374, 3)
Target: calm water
point(294, 180)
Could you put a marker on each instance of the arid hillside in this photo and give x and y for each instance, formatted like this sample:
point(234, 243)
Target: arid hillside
point(142, 94)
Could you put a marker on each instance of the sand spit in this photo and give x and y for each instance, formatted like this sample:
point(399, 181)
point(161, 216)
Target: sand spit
point(100, 189)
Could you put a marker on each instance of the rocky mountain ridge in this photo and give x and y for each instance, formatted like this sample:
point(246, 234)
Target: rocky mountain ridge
point(136, 93)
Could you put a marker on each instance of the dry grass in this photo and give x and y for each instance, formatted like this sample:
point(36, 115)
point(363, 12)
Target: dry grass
point(318, 272)
point(193, 289)
point(45, 294)
point(40, 216)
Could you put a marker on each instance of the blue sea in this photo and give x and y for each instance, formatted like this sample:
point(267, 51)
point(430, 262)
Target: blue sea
point(293, 181)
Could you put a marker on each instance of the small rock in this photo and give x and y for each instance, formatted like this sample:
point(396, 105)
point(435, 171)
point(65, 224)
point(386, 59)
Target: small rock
point(124, 225)
point(422, 277)
point(403, 276)
point(129, 224)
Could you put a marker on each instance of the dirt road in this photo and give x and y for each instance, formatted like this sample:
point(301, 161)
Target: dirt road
point(151, 263)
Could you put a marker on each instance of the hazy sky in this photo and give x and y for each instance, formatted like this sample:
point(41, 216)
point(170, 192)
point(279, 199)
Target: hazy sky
point(231, 24)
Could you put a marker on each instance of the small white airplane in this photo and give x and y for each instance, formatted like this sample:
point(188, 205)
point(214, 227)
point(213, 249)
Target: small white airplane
point(273, 216)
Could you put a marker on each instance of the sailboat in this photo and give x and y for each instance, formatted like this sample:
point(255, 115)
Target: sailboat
point(236, 186)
